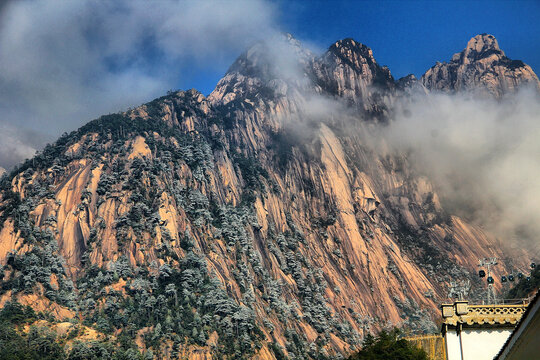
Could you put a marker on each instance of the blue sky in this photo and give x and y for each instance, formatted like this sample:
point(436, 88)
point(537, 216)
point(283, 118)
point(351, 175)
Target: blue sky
point(410, 36)
point(63, 63)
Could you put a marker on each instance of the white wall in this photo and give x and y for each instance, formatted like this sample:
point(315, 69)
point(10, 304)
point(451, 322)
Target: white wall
point(453, 348)
point(478, 344)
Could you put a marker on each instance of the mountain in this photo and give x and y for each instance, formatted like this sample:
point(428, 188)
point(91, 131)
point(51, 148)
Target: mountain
point(481, 67)
point(256, 222)
point(2, 171)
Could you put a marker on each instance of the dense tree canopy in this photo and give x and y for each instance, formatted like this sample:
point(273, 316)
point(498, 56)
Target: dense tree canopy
point(388, 345)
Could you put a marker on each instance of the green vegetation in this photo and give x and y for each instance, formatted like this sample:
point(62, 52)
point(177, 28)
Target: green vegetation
point(178, 301)
point(180, 304)
point(40, 343)
point(524, 287)
point(388, 345)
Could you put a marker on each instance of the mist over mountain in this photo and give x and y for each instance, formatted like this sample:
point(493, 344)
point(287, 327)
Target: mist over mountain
point(481, 155)
point(307, 201)
point(65, 63)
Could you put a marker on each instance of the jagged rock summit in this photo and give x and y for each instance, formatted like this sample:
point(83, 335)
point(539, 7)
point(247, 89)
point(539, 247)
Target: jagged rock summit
point(359, 57)
point(266, 71)
point(483, 68)
point(347, 72)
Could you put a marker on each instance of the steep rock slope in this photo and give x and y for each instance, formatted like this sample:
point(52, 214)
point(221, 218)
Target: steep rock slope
point(481, 67)
point(244, 224)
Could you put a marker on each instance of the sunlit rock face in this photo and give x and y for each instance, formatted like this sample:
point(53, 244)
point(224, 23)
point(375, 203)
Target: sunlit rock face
point(482, 67)
point(287, 230)
point(349, 70)
point(2, 171)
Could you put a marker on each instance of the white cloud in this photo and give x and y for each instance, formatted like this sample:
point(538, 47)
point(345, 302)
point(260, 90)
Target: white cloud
point(63, 63)
point(16, 145)
point(481, 154)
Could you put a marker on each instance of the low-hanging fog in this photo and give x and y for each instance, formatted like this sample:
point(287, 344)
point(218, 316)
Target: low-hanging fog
point(483, 156)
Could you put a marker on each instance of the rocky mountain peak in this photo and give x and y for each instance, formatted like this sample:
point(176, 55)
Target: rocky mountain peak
point(408, 79)
point(269, 66)
point(359, 58)
point(352, 52)
point(409, 84)
point(348, 70)
point(479, 47)
point(265, 58)
point(483, 42)
point(483, 68)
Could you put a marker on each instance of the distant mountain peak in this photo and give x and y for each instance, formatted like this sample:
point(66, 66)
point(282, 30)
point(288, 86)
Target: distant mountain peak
point(281, 65)
point(479, 47)
point(349, 43)
point(269, 66)
point(481, 67)
point(408, 82)
point(349, 70)
point(482, 42)
point(352, 51)
point(290, 38)
point(263, 58)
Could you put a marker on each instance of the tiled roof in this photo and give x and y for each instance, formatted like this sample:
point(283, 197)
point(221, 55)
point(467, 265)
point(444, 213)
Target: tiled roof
point(488, 315)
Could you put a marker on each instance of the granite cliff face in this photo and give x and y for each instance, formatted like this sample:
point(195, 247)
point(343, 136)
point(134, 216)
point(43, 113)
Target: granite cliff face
point(240, 224)
point(349, 71)
point(482, 67)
